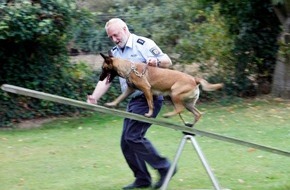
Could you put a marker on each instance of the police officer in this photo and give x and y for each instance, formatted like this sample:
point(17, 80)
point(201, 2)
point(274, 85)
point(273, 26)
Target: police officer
point(136, 149)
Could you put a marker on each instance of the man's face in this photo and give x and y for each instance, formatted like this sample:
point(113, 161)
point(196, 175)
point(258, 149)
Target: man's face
point(117, 35)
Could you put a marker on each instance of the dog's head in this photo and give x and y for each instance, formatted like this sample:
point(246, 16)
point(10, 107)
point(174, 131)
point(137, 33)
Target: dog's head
point(108, 69)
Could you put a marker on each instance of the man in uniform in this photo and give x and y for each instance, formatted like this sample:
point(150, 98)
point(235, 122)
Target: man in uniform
point(136, 149)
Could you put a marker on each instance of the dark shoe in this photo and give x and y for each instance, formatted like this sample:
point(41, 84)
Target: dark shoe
point(163, 173)
point(136, 186)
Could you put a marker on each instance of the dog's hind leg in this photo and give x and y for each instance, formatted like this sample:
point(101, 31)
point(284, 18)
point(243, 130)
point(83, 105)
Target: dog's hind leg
point(190, 104)
point(177, 102)
point(190, 107)
point(185, 123)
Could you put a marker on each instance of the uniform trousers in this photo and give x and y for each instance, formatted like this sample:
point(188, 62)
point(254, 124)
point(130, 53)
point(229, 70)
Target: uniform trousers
point(136, 148)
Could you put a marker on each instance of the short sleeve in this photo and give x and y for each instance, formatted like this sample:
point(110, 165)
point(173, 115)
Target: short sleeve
point(148, 48)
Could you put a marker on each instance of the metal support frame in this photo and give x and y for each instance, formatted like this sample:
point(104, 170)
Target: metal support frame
point(202, 158)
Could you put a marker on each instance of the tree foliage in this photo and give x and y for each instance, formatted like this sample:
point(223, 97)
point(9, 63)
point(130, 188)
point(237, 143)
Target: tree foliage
point(33, 54)
point(237, 39)
point(240, 36)
point(255, 27)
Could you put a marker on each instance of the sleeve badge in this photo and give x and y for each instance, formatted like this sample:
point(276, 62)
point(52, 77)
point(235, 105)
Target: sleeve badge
point(155, 51)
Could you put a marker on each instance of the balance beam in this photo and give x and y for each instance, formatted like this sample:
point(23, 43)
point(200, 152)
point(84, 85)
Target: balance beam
point(124, 114)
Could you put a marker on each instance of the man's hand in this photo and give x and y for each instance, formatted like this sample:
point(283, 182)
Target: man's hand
point(91, 99)
point(153, 61)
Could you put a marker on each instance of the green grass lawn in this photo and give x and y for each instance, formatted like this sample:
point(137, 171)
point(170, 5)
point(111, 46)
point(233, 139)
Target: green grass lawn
point(83, 153)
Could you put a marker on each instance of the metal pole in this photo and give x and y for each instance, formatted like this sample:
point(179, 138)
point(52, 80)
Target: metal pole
point(174, 164)
point(201, 157)
point(204, 162)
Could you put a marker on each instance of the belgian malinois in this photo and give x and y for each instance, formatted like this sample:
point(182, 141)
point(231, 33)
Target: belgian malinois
point(181, 87)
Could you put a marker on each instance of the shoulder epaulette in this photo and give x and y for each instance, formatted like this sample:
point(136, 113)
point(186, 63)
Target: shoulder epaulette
point(140, 41)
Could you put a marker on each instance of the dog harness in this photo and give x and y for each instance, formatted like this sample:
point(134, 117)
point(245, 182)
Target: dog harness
point(136, 72)
point(137, 49)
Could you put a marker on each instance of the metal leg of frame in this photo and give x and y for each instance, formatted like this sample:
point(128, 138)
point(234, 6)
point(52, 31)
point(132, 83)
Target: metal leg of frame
point(201, 157)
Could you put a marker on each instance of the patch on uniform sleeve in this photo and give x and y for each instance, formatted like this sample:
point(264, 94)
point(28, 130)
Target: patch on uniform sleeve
point(140, 41)
point(155, 51)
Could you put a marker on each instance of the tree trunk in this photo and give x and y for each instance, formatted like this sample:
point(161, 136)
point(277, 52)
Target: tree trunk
point(281, 79)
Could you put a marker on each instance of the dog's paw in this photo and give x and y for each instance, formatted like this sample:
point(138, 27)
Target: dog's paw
point(111, 105)
point(147, 115)
point(166, 115)
point(189, 124)
point(169, 114)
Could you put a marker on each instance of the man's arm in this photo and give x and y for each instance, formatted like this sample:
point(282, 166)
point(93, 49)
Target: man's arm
point(162, 61)
point(100, 89)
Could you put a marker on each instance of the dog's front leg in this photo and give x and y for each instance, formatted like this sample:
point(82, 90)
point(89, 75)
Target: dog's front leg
point(124, 95)
point(149, 97)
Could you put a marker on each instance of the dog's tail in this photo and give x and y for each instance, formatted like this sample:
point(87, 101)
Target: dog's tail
point(206, 86)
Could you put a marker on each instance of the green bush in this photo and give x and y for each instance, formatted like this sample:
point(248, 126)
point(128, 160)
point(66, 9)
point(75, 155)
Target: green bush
point(88, 33)
point(33, 54)
point(255, 28)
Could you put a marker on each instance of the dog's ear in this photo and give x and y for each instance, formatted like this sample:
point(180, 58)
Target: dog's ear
point(107, 59)
point(104, 56)
point(107, 71)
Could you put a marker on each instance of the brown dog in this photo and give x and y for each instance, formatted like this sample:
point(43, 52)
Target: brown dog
point(182, 88)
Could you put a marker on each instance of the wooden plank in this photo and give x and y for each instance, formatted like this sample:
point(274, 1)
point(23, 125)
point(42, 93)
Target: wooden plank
point(157, 121)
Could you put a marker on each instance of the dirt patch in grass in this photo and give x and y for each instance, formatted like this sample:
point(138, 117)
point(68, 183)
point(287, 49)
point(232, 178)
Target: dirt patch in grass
point(33, 123)
point(93, 61)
